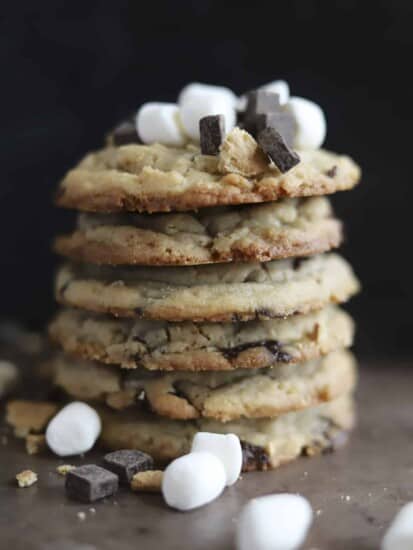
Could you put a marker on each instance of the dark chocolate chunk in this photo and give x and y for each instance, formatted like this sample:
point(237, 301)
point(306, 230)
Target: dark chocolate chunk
point(273, 346)
point(127, 462)
point(276, 148)
point(332, 172)
point(125, 133)
point(90, 482)
point(254, 458)
point(212, 131)
point(282, 121)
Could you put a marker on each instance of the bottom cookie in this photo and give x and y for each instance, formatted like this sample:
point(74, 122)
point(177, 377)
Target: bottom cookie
point(266, 443)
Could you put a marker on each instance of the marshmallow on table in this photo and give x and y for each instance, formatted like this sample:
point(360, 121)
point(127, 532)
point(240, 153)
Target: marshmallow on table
point(226, 447)
point(197, 101)
point(311, 123)
point(279, 87)
point(274, 522)
point(159, 122)
point(74, 430)
point(399, 536)
point(193, 480)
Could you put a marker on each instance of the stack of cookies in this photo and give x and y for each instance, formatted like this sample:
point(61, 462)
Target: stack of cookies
point(200, 290)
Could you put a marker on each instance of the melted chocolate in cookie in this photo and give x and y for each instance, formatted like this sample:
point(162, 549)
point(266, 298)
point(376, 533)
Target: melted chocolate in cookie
point(273, 346)
point(254, 458)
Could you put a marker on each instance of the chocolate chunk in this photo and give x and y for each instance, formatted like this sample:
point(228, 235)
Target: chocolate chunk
point(125, 133)
point(212, 132)
point(332, 172)
point(126, 463)
point(276, 148)
point(283, 122)
point(273, 346)
point(254, 458)
point(90, 482)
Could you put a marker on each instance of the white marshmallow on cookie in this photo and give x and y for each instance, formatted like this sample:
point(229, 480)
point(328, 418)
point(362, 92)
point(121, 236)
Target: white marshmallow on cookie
point(399, 536)
point(193, 480)
point(279, 87)
point(74, 430)
point(226, 447)
point(197, 90)
point(311, 123)
point(200, 100)
point(274, 522)
point(159, 122)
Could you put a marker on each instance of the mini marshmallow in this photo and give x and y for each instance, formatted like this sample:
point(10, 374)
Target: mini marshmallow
point(274, 522)
point(193, 480)
point(399, 536)
point(196, 90)
point(74, 430)
point(279, 87)
point(311, 123)
point(226, 447)
point(201, 101)
point(159, 122)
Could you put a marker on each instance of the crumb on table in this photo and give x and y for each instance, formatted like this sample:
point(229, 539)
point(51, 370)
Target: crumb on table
point(63, 469)
point(147, 481)
point(26, 478)
point(35, 443)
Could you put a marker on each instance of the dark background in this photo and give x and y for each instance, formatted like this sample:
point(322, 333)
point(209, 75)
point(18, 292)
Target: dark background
point(70, 71)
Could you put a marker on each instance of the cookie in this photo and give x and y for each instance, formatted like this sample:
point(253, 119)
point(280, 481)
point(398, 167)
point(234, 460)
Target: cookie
point(290, 227)
point(220, 292)
point(267, 443)
point(157, 178)
point(222, 396)
point(159, 345)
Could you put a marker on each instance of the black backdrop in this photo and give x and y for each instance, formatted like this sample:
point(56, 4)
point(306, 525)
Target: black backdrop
point(70, 70)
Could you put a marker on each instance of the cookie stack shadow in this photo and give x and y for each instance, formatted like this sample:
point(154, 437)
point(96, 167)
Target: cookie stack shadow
point(198, 296)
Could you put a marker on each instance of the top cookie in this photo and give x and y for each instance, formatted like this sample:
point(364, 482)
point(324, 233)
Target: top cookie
point(158, 178)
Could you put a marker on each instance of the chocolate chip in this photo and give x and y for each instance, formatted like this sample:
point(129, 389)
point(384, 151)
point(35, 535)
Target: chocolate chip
point(283, 122)
point(276, 148)
point(212, 131)
point(332, 172)
point(254, 457)
point(127, 462)
point(90, 482)
point(125, 133)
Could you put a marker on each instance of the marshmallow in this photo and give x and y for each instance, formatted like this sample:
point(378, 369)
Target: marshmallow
point(226, 447)
point(159, 122)
point(311, 123)
point(197, 101)
point(196, 90)
point(279, 87)
point(74, 430)
point(274, 522)
point(193, 480)
point(399, 536)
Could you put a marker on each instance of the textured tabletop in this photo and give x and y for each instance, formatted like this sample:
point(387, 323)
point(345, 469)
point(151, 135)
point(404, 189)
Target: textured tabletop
point(354, 493)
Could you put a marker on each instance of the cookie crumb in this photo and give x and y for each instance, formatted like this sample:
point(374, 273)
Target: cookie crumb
point(81, 516)
point(63, 469)
point(35, 443)
point(149, 481)
point(26, 478)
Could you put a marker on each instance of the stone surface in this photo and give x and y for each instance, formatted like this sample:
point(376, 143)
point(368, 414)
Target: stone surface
point(355, 493)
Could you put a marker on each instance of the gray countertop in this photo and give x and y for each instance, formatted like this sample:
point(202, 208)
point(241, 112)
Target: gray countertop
point(354, 492)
